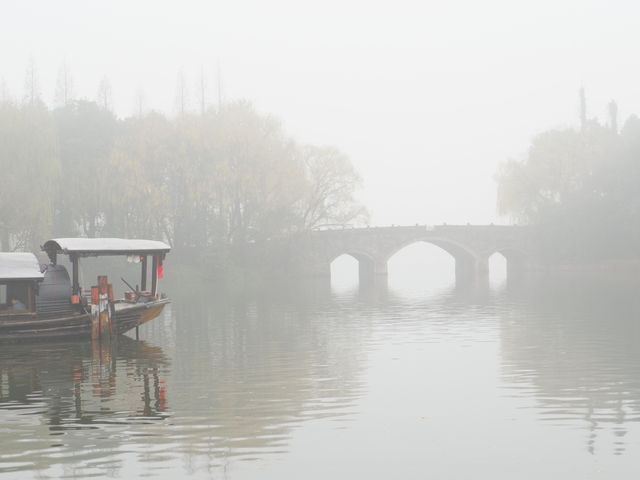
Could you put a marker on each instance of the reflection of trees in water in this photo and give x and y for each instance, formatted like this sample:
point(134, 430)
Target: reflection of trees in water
point(574, 342)
point(247, 370)
point(51, 395)
point(253, 367)
point(570, 342)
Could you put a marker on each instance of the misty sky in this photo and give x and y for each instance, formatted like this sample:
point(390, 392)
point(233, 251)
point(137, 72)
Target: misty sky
point(425, 97)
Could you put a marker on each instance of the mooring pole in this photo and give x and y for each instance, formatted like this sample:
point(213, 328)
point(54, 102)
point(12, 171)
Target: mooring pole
point(154, 275)
point(143, 279)
point(76, 281)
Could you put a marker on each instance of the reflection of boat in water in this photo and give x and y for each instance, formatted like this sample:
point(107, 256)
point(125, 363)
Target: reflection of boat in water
point(49, 304)
point(75, 379)
point(63, 397)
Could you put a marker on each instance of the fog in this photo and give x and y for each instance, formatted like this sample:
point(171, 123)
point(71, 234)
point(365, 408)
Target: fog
point(425, 98)
point(399, 239)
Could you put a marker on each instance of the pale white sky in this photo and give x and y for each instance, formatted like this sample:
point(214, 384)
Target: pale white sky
point(425, 97)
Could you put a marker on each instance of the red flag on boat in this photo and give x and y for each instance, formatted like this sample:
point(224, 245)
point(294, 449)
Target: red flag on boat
point(160, 267)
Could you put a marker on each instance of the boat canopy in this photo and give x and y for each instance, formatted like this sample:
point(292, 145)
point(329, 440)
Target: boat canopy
point(19, 266)
point(90, 247)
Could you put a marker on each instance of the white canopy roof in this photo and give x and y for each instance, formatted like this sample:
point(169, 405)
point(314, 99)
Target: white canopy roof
point(104, 246)
point(19, 266)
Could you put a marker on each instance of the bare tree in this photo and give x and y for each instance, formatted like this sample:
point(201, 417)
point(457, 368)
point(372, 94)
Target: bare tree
point(104, 97)
point(64, 86)
point(613, 115)
point(583, 109)
point(140, 103)
point(202, 91)
point(219, 87)
point(31, 85)
point(181, 94)
point(5, 96)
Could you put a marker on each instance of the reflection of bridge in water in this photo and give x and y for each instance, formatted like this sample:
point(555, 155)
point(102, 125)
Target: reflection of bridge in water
point(469, 245)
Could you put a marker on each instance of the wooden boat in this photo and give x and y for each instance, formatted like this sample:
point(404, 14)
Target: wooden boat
point(39, 302)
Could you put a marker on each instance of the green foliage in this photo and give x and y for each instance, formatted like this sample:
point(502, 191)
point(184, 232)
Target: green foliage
point(136, 200)
point(581, 189)
point(224, 181)
point(85, 134)
point(30, 167)
point(258, 176)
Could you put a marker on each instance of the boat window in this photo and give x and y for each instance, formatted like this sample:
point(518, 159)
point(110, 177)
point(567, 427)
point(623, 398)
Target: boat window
point(20, 291)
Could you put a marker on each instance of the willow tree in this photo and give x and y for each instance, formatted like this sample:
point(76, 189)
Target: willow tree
point(578, 187)
point(562, 168)
point(86, 134)
point(257, 173)
point(30, 172)
point(191, 182)
point(137, 200)
point(329, 190)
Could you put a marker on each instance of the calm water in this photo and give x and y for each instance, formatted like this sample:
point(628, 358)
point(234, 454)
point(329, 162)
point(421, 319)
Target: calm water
point(531, 379)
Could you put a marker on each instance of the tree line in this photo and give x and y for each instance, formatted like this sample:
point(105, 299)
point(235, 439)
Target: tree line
point(580, 187)
point(220, 180)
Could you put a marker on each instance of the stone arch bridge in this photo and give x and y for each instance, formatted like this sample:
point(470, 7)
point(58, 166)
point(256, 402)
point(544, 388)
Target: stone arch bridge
point(470, 245)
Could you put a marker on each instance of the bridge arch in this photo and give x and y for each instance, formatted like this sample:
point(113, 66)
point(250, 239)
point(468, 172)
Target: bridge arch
point(497, 268)
point(466, 260)
point(469, 245)
point(453, 248)
point(516, 258)
point(367, 265)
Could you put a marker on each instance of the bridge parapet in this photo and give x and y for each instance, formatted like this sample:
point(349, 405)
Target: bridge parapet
point(470, 245)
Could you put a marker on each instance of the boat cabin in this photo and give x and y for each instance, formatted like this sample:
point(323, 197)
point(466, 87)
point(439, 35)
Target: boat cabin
point(20, 277)
point(44, 302)
point(139, 251)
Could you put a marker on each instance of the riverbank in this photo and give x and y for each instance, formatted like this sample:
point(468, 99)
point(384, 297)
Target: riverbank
point(603, 267)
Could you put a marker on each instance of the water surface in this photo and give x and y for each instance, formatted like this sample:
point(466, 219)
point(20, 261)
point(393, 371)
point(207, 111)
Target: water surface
point(418, 378)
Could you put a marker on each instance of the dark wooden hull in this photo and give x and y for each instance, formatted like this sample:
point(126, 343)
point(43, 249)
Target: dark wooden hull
point(40, 327)
point(131, 315)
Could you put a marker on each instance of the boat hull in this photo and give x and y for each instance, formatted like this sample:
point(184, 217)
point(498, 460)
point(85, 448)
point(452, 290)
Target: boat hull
point(41, 327)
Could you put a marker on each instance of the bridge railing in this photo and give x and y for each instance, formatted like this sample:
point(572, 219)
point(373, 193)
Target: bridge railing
point(340, 227)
